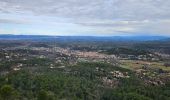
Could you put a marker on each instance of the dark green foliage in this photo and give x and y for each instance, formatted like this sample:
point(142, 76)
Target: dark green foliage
point(127, 51)
point(79, 82)
point(8, 93)
point(42, 95)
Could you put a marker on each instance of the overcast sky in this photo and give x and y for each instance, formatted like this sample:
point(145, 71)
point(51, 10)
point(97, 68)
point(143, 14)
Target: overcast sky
point(85, 17)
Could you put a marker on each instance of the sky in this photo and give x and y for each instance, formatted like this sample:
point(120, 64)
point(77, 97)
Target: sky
point(85, 17)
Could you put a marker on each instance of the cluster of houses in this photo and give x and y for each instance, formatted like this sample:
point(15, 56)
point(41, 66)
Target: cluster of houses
point(17, 67)
point(150, 77)
point(74, 56)
point(113, 82)
point(118, 74)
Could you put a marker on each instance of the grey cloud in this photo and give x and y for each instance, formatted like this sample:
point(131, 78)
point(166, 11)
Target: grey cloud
point(12, 21)
point(114, 23)
point(101, 9)
point(98, 16)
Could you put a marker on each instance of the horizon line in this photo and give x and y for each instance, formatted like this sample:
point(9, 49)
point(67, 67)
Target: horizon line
point(87, 35)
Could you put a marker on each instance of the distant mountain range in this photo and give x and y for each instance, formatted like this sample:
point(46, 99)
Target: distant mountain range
point(82, 38)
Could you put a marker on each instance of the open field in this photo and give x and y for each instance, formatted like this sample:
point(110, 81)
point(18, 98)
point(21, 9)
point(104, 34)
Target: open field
point(136, 64)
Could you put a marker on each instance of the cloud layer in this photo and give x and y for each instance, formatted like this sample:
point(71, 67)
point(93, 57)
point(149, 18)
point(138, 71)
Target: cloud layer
point(85, 17)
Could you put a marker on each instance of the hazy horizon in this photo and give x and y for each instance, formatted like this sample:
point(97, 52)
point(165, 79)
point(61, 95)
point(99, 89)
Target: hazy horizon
point(86, 35)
